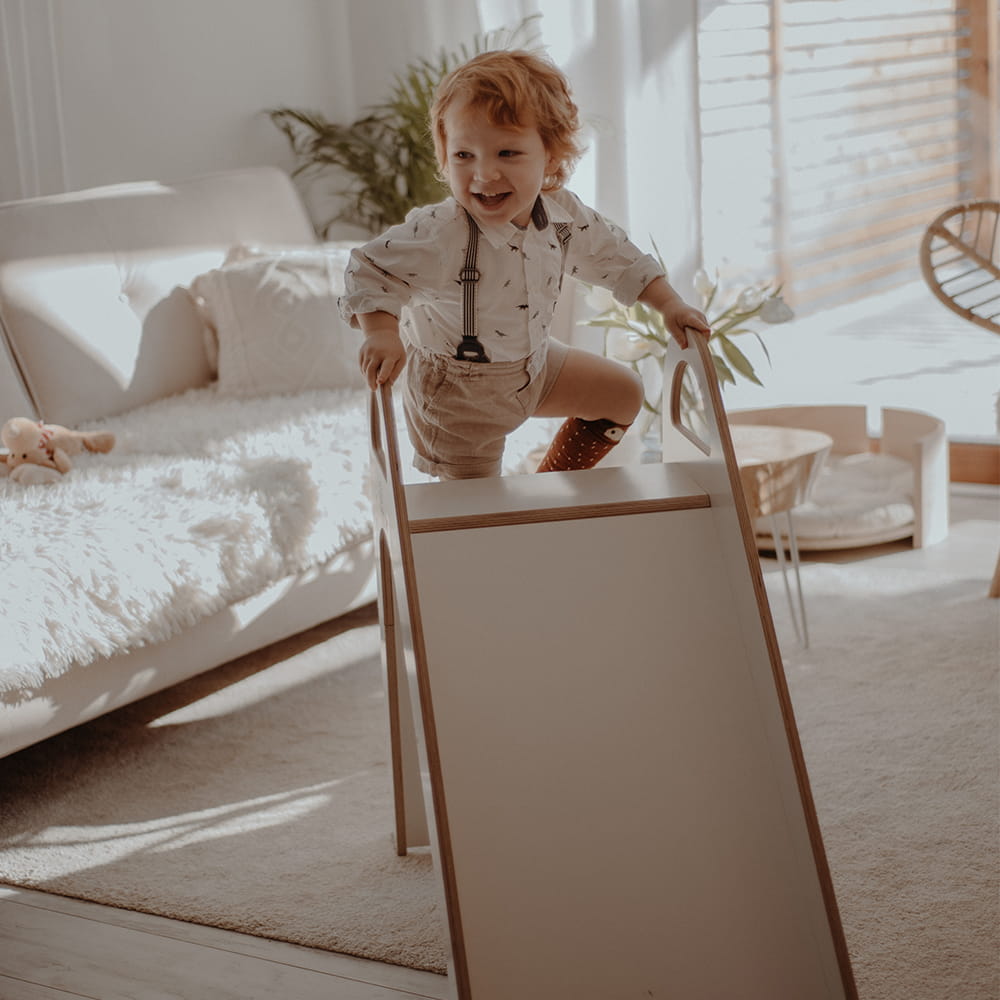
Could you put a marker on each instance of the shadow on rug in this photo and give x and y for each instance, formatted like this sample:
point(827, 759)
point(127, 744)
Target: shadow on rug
point(256, 797)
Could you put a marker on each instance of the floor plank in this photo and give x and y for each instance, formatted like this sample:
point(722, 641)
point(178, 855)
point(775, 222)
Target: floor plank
point(15, 989)
point(119, 955)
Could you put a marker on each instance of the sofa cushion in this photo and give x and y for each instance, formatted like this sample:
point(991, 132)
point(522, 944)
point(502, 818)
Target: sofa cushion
point(273, 321)
point(83, 332)
point(862, 499)
point(93, 298)
point(14, 398)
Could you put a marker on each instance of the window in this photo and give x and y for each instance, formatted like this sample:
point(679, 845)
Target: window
point(833, 131)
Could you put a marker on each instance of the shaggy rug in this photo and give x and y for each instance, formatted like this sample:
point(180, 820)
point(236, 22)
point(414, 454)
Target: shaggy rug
point(257, 797)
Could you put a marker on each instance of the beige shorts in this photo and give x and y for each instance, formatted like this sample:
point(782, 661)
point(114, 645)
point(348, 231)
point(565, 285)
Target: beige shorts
point(459, 413)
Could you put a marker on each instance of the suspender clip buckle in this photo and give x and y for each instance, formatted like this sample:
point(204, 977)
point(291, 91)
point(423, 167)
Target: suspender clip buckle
point(471, 350)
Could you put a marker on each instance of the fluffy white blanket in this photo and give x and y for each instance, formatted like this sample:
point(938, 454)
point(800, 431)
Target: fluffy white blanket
point(205, 500)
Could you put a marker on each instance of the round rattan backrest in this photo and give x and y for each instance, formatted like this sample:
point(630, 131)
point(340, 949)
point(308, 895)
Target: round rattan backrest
point(960, 261)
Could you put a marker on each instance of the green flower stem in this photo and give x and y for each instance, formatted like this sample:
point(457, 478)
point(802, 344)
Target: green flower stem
point(733, 322)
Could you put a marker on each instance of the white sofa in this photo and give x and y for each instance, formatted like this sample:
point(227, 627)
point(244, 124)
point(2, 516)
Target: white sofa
point(226, 517)
point(197, 321)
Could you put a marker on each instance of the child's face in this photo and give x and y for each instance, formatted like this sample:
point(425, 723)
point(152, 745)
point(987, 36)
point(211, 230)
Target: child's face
point(495, 171)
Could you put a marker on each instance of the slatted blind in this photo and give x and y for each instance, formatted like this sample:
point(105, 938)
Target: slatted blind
point(833, 131)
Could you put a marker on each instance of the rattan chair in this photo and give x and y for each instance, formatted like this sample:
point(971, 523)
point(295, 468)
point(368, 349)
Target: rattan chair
point(960, 261)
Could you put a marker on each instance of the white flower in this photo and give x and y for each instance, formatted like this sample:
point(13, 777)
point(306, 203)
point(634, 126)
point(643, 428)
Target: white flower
point(703, 284)
point(626, 345)
point(776, 310)
point(749, 298)
point(656, 349)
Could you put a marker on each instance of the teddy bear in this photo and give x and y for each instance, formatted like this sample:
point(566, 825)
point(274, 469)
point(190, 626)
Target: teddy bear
point(39, 452)
point(29, 475)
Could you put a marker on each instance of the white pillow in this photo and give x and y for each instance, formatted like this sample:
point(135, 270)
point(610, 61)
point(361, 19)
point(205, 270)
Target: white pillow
point(273, 323)
point(857, 500)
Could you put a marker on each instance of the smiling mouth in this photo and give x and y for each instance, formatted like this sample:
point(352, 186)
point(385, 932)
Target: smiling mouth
point(491, 200)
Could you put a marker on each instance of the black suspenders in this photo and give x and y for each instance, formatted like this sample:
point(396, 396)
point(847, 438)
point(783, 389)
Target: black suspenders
point(470, 349)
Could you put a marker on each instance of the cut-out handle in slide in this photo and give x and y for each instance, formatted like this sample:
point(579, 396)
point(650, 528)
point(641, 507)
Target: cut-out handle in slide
point(696, 358)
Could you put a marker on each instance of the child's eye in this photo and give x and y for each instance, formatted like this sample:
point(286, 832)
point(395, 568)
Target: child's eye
point(509, 152)
point(461, 154)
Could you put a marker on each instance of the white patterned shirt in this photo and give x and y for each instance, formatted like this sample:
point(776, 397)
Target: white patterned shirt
point(412, 271)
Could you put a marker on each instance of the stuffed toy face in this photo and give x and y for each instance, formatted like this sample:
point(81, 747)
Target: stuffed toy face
point(28, 442)
point(48, 445)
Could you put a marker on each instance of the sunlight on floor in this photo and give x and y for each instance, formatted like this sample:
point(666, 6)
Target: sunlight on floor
point(173, 832)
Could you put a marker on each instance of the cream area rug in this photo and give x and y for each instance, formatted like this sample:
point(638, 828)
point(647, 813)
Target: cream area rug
point(256, 797)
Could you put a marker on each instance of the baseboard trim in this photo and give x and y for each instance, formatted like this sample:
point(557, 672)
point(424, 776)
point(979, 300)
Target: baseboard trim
point(974, 462)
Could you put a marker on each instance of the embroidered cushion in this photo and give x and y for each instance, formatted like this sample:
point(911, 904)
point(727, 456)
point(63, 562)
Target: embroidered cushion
point(273, 324)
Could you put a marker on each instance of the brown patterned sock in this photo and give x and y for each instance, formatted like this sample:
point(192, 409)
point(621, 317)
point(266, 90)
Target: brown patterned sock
point(581, 444)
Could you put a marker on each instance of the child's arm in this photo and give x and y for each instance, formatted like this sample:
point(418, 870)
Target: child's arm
point(382, 355)
point(677, 314)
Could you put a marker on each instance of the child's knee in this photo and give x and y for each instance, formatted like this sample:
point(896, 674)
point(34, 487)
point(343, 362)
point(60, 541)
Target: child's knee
point(629, 397)
point(637, 392)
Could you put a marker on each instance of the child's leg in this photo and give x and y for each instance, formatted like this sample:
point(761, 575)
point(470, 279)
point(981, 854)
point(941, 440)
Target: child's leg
point(459, 413)
point(600, 397)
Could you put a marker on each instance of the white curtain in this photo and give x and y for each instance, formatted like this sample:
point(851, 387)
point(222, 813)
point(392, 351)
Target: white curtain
point(632, 64)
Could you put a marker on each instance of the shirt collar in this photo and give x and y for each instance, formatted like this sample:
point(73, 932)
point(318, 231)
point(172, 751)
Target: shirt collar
point(545, 211)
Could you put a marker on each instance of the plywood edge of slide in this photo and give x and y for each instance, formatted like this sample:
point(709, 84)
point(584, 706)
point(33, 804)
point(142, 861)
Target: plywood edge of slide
point(391, 521)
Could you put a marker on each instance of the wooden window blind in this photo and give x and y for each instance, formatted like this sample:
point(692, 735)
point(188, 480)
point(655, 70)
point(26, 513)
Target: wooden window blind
point(833, 131)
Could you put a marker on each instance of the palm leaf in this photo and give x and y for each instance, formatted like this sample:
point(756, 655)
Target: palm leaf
point(723, 370)
point(738, 360)
point(384, 163)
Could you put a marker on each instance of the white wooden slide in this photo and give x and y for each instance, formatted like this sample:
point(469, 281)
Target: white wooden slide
point(592, 730)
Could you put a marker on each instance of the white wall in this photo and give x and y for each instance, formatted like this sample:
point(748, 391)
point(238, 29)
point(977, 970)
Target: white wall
point(99, 91)
point(108, 90)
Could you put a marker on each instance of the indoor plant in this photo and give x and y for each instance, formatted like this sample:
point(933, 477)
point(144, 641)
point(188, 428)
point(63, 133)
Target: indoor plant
point(383, 164)
point(638, 336)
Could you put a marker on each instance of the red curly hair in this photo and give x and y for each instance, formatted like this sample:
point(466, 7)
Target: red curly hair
point(514, 88)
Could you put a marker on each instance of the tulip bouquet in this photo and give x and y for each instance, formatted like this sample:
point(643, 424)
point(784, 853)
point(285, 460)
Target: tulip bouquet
point(635, 334)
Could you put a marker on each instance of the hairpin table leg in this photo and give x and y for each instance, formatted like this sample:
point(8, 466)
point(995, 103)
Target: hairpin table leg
point(798, 618)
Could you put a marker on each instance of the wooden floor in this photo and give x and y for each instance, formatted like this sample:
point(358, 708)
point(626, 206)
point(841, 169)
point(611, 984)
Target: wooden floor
point(54, 948)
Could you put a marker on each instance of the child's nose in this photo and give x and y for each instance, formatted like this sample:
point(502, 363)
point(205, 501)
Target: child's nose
point(487, 171)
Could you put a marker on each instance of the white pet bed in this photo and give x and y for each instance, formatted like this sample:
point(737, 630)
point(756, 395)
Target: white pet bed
point(870, 490)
